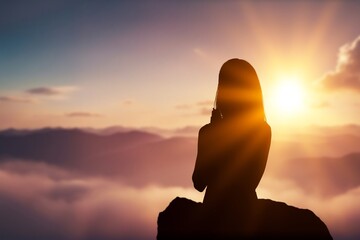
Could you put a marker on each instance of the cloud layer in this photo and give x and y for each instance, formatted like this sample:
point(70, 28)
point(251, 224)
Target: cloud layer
point(51, 91)
point(51, 203)
point(54, 198)
point(82, 114)
point(16, 99)
point(347, 72)
point(35, 95)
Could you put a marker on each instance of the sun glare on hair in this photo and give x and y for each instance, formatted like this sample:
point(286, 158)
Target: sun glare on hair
point(289, 96)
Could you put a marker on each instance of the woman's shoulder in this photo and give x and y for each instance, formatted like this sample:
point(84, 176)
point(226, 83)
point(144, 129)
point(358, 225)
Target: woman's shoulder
point(265, 127)
point(205, 127)
point(211, 130)
point(266, 131)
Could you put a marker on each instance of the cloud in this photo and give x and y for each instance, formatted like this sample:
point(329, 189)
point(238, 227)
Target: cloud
point(49, 92)
point(73, 207)
point(333, 176)
point(202, 108)
point(83, 114)
point(199, 52)
point(128, 102)
point(347, 72)
point(52, 91)
point(205, 103)
point(205, 107)
point(16, 99)
point(205, 111)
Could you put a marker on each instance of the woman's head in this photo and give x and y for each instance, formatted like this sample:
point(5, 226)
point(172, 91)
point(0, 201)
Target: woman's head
point(239, 91)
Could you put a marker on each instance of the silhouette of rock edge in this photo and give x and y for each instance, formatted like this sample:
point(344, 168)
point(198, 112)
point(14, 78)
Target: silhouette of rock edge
point(264, 219)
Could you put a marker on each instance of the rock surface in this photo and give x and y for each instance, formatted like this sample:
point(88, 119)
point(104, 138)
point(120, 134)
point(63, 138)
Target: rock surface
point(262, 219)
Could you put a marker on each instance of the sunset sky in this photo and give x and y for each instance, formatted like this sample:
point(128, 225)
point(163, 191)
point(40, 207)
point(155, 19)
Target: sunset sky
point(154, 65)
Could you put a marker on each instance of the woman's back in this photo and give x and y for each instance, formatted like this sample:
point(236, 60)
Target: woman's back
point(231, 162)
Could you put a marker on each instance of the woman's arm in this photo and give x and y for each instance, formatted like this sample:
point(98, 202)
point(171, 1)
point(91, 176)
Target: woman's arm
point(199, 174)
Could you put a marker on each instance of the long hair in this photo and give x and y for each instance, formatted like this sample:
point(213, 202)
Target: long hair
point(239, 90)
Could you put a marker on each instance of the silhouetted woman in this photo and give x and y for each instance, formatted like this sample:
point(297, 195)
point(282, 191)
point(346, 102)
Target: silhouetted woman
point(233, 149)
point(232, 155)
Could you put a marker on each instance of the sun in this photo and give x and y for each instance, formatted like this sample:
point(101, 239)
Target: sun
point(289, 96)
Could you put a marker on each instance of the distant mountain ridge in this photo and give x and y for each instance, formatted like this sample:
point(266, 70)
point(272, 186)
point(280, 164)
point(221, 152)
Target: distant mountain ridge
point(18, 143)
point(140, 158)
point(187, 131)
point(136, 157)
